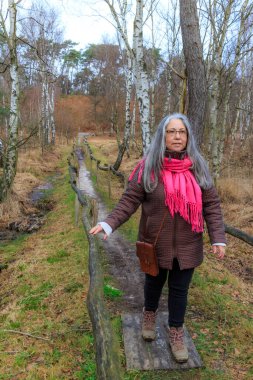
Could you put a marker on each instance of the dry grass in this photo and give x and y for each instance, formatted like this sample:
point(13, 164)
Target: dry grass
point(32, 168)
point(236, 190)
point(107, 149)
point(33, 161)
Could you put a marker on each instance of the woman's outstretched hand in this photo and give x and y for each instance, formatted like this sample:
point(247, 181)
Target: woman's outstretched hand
point(219, 250)
point(95, 230)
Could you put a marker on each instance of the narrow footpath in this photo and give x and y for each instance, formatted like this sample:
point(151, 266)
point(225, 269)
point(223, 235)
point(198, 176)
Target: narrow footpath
point(123, 262)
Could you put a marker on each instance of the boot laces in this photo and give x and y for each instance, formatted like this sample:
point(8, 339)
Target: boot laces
point(177, 337)
point(149, 319)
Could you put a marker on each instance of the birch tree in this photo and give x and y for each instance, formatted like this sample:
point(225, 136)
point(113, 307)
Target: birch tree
point(11, 152)
point(141, 77)
point(44, 37)
point(121, 26)
point(245, 11)
point(227, 31)
point(136, 59)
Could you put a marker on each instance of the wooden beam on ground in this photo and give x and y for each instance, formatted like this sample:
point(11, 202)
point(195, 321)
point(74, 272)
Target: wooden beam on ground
point(154, 355)
point(107, 350)
point(239, 234)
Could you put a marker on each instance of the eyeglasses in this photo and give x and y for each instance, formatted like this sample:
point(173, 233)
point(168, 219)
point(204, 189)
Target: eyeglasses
point(173, 132)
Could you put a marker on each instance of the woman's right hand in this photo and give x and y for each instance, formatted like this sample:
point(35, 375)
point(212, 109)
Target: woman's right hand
point(95, 230)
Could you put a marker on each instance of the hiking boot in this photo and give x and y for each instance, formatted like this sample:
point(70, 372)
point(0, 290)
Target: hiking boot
point(148, 325)
point(177, 344)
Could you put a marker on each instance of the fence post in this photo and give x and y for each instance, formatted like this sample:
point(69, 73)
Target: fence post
point(109, 182)
point(77, 208)
point(97, 173)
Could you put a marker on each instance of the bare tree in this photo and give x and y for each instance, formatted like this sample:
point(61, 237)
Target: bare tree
point(193, 53)
point(43, 36)
point(228, 38)
point(136, 54)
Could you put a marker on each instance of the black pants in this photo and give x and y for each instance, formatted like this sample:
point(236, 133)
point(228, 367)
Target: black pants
point(178, 285)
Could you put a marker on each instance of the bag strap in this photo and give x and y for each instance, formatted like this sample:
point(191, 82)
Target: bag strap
point(158, 233)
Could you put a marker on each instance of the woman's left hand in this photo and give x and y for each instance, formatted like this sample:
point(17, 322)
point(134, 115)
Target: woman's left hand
point(219, 250)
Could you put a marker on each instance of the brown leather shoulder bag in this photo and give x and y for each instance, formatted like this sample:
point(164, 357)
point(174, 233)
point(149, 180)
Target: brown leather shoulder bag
point(147, 254)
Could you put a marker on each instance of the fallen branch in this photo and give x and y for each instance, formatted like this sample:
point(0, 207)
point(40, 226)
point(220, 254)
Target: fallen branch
point(106, 167)
point(239, 234)
point(26, 334)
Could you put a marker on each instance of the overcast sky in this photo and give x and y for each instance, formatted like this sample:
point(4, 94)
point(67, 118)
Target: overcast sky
point(84, 21)
point(88, 21)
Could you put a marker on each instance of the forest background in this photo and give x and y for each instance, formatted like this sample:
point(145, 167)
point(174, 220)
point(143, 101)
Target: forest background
point(194, 57)
point(125, 87)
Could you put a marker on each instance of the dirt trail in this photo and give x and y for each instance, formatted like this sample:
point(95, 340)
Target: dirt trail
point(123, 263)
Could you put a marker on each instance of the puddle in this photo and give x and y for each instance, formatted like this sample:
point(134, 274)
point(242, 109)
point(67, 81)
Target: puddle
point(40, 192)
point(40, 198)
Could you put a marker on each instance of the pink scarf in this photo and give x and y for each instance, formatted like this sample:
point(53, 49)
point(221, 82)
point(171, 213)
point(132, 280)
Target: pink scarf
point(182, 192)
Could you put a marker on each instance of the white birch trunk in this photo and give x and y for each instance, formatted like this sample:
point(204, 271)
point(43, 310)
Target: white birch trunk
point(44, 132)
point(128, 122)
point(51, 114)
point(11, 154)
point(153, 74)
point(138, 67)
point(5, 119)
point(237, 122)
point(142, 88)
point(133, 121)
point(245, 126)
point(167, 108)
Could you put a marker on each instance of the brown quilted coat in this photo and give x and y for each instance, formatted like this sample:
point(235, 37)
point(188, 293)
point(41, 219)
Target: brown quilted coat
point(176, 239)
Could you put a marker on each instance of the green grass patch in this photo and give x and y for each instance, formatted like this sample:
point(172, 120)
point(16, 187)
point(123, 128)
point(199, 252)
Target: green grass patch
point(21, 359)
point(33, 300)
point(73, 287)
point(9, 250)
point(60, 255)
point(112, 292)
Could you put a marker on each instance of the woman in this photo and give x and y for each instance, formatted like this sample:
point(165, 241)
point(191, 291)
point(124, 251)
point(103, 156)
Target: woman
point(175, 189)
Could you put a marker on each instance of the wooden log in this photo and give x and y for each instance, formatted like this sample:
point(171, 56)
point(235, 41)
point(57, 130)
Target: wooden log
point(97, 172)
point(116, 172)
point(239, 234)
point(77, 207)
point(107, 350)
point(109, 183)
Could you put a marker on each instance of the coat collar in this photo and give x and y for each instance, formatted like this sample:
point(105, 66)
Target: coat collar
point(177, 155)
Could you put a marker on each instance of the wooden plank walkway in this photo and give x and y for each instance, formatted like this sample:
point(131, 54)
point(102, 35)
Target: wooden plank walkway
point(153, 355)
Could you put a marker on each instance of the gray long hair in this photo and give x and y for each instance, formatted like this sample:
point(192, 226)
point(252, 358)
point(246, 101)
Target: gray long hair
point(156, 152)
